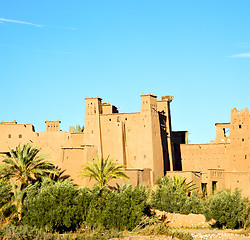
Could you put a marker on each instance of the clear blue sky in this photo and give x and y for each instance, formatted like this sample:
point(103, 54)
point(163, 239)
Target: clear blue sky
point(55, 53)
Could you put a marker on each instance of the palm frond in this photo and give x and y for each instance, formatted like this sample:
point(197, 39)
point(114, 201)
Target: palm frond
point(103, 170)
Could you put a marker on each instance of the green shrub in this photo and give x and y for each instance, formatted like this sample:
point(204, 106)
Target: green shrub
point(54, 206)
point(172, 198)
point(225, 208)
point(120, 210)
point(6, 204)
point(182, 235)
point(245, 216)
point(61, 207)
point(193, 204)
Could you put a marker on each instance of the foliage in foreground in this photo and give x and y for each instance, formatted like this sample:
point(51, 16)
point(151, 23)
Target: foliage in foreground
point(11, 232)
point(120, 210)
point(172, 196)
point(53, 205)
point(153, 226)
point(229, 210)
point(61, 207)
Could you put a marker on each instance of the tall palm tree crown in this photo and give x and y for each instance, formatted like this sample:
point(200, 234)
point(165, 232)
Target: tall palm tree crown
point(103, 170)
point(77, 129)
point(23, 164)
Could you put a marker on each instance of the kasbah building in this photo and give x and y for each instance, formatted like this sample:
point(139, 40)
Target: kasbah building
point(145, 144)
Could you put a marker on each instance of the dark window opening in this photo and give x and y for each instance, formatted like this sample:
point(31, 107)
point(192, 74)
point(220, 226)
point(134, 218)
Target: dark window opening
point(204, 189)
point(110, 119)
point(226, 132)
point(20, 135)
point(245, 156)
point(9, 136)
point(214, 183)
point(239, 126)
point(243, 139)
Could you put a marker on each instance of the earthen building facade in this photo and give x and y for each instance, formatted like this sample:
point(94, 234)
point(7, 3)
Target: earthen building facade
point(145, 144)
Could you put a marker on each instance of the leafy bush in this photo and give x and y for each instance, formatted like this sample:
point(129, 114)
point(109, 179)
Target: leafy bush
point(182, 235)
point(61, 207)
point(171, 197)
point(245, 216)
point(120, 210)
point(193, 204)
point(226, 209)
point(6, 204)
point(54, 206)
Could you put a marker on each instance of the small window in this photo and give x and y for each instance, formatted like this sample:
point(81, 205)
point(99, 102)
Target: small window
point(226, 132)
point(204, 189)
point(9, 136)
point(239, 126)
point(145, 156)
point(110, 119)
point(243, 139)
point(20, 135)
point(126, 119)
point(245, 156)
point(92, 131)
point(214, 183)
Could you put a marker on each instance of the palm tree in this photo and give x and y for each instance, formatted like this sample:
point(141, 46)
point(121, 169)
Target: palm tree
point(180, 182)
point(77, 129)
point(12, 201)
point(17, 200)
point(59, 176)
point(103, 170)
point(24, 165)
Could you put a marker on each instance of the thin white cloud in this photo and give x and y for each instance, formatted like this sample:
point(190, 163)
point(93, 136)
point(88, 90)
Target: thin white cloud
point(33, 24)
point(241, 55)
point(21, 22)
